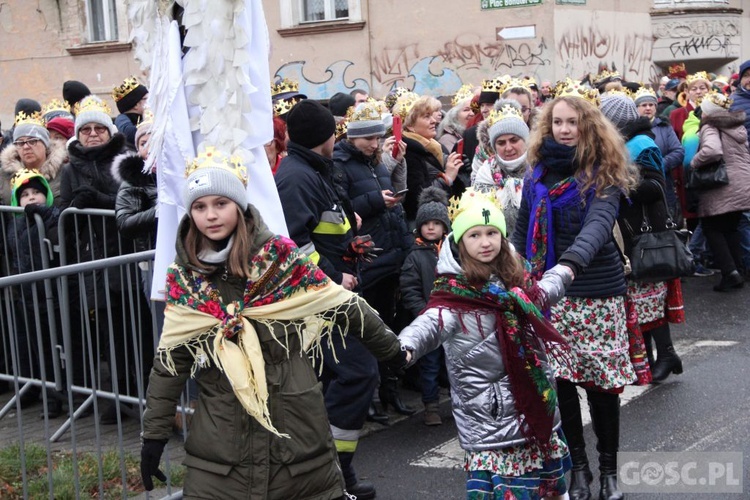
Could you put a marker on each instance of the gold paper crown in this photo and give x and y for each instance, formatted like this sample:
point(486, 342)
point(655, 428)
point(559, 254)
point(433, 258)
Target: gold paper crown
point(366, 111)
point(91, 103)
point(284, 106)
point(606, 75)
point(126, 87)
point(574, 88)
point(676, 69)
point(211, 157)
point(623, 91)
point(465, 92)
point(284, 86)
point(146, 119)
point(496, 84)
point(457, 205)
point(515, 83)
point(393, 95)
point(701, 75)
point(718, 98)
point(34, 118)
point(55, 105)
point(341, 129)
point(529, 81)
point(507, 111)
point(644, 92)
point(404, 104)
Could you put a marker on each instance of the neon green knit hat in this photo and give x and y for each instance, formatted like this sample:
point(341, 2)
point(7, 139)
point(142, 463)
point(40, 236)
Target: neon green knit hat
point(475, 209)
point(28, 178)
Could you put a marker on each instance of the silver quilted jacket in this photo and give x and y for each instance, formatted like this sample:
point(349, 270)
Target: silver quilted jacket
point(483, 405)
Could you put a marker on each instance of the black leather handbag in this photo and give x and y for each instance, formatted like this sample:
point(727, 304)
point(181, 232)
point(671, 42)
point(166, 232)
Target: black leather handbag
point(661, 255)
point(708, 176)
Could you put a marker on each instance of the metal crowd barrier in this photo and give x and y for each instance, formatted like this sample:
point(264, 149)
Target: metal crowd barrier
point(77, 338)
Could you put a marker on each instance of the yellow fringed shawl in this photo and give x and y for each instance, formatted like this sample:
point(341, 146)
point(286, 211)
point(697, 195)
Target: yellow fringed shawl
point(293, 294)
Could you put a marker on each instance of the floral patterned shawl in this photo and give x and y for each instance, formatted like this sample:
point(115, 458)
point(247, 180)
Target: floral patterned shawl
point(285, 289)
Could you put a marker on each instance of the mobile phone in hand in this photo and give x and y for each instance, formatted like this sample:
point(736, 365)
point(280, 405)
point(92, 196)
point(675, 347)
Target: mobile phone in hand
point(402, 192)
point(460, 147)
point(396, 134)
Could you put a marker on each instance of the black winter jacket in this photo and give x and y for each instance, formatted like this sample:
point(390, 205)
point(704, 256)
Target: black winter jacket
point(418, 276)
point(307, 193)
point(583, 241)
point(646, 155)
point(423, 170)
point(363, 179)
point(135, 206)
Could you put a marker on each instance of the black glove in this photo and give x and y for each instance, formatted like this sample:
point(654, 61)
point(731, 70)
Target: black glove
point(150, 457)
point(361, 249)
point(84, 196)
point(397, 364)
point(36, 208)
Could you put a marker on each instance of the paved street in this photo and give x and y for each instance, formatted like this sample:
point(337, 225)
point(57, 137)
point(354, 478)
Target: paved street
point(705, 409)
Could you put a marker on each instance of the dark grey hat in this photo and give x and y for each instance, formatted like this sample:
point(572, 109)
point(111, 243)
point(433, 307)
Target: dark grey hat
point(433, 205)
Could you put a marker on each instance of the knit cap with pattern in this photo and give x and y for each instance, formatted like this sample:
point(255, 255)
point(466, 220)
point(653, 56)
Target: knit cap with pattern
point(619, 108)
point(433, 205)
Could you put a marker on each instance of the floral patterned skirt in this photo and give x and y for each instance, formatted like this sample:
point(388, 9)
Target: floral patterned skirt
point(596, 330)
point(650, 300)
point(522, 472)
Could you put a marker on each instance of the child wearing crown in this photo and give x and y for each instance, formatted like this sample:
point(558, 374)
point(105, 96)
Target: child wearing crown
point(484, 310)
point(130, 97)
point(244, 308)
point(31, 191)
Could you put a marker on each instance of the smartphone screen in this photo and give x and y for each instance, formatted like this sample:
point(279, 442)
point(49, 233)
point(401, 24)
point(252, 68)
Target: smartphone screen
point(396, 134)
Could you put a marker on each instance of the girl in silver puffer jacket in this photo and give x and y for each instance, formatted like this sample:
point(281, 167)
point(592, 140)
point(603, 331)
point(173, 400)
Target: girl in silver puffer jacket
point(484, 311)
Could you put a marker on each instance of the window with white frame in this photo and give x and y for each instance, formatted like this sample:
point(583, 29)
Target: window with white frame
point(102, 20)
point(324, 10)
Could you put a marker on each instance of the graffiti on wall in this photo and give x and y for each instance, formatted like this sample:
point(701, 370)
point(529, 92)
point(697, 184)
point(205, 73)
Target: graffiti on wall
point(324, 88)
point(697, 39)
point(583, 49)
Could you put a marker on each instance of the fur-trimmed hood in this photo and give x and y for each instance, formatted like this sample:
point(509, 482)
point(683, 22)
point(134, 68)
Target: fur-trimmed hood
point(128, 167)
point(724, 119)
point(10, 161)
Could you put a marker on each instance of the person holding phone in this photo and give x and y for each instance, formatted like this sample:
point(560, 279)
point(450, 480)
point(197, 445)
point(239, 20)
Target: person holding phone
point(361, 176)
point(428, 162)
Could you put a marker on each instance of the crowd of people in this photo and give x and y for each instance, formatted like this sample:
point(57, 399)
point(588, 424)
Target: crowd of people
point(481, 232)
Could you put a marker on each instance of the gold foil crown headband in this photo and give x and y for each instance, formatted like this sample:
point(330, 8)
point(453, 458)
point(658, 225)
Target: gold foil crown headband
point(34, 118)
point(55, 105)
point(127, 86)
point(404, 104)
point(506, 111)
point(464, 93)
point(92, 103)
point(284, 86)
point(574, 88)
point(216, 159)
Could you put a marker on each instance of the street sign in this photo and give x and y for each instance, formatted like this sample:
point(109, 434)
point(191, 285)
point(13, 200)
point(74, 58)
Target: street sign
point(503, 4)
point(516, 32)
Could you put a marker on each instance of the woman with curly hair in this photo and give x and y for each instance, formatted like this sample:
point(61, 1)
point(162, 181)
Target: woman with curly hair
point(569, 207)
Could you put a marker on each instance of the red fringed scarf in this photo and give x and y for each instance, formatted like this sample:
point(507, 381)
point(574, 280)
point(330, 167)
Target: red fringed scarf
point(523, 335)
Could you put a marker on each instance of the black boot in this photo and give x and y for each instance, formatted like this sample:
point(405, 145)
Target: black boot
point(375, 415)
point(605, 418)
point(666, 363)
point(649, 349)
point(730, 281)
point(389, 396)
point(363, 490)
point(570, 412)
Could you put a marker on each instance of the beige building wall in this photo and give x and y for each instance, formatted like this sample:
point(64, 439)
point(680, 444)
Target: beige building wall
point(428, 46)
